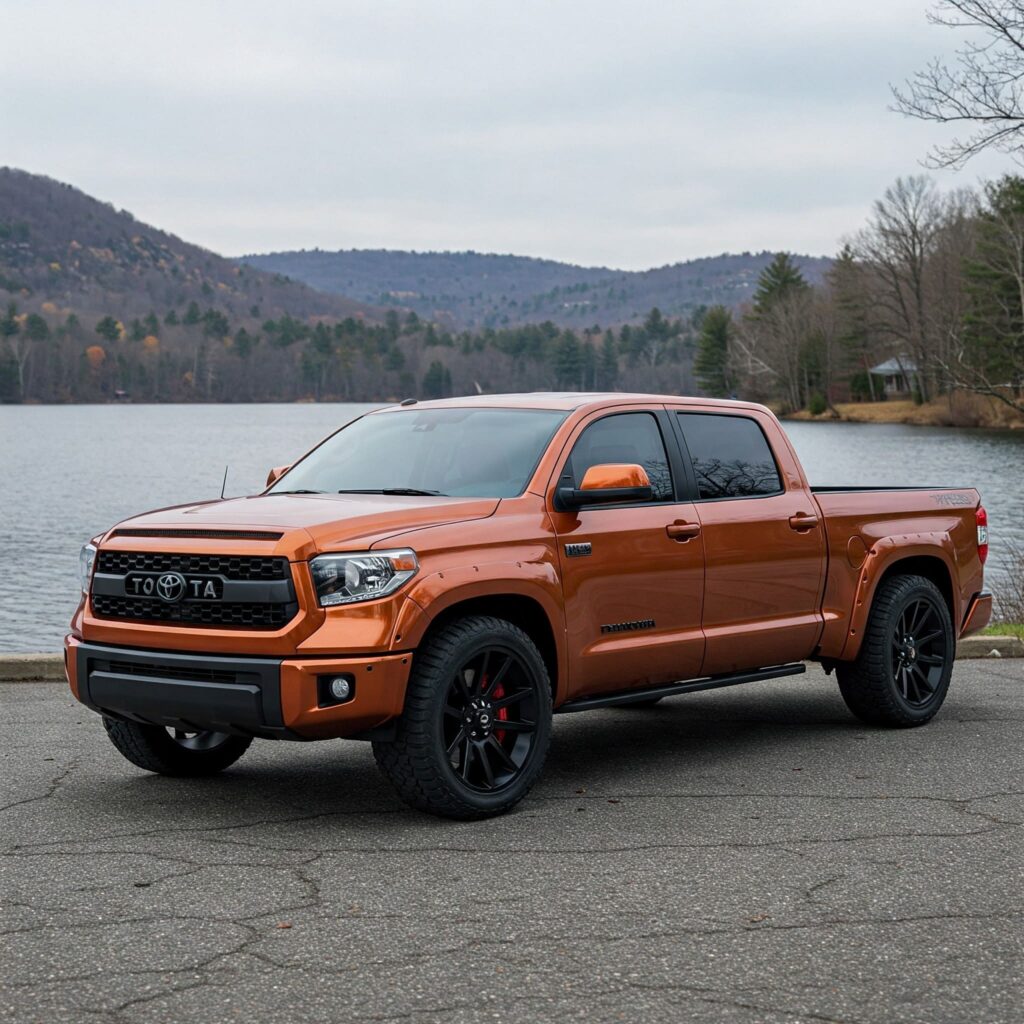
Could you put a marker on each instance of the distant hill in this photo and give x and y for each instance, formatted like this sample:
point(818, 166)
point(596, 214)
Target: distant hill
point(97, 306)
point(61, 246)
point(473, 290)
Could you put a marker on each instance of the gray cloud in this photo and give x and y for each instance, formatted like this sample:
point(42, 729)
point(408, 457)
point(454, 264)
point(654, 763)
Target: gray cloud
point(625, 134)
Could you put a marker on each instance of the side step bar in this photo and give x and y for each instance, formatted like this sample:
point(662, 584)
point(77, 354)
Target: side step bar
point(670, 690)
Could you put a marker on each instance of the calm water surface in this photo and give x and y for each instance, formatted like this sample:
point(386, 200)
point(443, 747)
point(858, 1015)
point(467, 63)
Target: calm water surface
point(72, 471)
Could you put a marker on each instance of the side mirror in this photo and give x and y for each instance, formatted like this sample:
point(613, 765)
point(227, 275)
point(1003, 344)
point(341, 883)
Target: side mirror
point(604, 484)
point(275, 474)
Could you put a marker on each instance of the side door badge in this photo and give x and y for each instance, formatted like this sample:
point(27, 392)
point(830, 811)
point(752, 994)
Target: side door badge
point(578, 550)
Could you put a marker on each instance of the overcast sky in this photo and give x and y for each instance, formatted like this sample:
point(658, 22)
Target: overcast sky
point(627, 134)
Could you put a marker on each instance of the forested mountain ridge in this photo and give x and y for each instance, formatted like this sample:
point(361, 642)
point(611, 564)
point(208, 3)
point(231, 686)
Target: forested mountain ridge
point(470, 290)
point(95, 305)
point(59, 245)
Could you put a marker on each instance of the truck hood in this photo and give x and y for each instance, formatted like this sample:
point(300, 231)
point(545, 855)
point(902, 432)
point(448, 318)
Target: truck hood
point(309, 522)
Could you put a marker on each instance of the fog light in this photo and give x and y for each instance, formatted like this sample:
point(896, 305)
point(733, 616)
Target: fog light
point(334, 690)
point(341, 688)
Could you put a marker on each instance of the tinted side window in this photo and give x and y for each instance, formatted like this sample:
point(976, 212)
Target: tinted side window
point(730, 456)
point(629, 437)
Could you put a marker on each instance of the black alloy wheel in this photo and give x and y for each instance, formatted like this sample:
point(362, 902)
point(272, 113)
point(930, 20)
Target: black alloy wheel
point(902, 671)
point(476, 727)
point(919, 652)
point(490, 719)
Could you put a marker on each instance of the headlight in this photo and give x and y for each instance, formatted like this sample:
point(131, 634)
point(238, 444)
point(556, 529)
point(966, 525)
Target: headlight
point(343, 579)
point(86, 560)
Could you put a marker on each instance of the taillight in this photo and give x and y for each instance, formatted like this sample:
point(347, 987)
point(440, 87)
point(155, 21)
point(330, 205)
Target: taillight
point(981, 518)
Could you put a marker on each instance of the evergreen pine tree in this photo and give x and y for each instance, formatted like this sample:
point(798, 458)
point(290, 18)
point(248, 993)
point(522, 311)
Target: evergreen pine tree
point(609, 367)
point(436, 381)
point(779, 279)
point(711, 365)
point(568, 361)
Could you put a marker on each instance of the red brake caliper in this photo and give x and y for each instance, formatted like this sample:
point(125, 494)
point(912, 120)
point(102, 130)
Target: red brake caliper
point(502, 715)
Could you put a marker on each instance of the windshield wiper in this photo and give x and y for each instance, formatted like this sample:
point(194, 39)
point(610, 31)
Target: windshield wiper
point(395, 490)
point(300, 490)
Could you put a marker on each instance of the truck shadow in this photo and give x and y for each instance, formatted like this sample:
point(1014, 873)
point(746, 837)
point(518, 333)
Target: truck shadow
point(612, 750)
point(681, 735)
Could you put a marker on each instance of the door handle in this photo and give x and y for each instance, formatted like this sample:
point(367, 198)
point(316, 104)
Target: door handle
point(683, 532)
point(803, 521)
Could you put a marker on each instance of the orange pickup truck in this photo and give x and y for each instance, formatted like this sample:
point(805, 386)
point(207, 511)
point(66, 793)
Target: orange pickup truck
point(441, 577)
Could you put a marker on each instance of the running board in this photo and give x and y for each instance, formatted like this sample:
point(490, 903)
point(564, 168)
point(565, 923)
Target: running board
point(651, 692)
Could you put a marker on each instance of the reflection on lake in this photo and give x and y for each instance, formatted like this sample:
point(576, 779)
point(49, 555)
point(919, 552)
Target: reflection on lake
point(72, 471)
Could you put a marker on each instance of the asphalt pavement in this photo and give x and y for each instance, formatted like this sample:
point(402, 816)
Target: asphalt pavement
point(743, 855)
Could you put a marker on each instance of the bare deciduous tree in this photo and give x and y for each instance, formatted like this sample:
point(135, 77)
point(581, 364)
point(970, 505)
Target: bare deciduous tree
point(981, 89)
point(826, 325)
point(770, 347)
point(899, 246)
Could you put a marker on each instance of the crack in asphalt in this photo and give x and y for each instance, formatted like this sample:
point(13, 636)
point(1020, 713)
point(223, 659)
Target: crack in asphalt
point(595, 850)
point(707, 994)
point(960, 803)
point(52, 788)
point(592, 914)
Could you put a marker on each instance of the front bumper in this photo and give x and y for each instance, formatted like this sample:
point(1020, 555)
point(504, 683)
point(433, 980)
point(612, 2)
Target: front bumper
point(275, 698)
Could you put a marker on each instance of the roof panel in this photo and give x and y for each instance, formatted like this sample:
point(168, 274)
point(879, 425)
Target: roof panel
point(567, 400)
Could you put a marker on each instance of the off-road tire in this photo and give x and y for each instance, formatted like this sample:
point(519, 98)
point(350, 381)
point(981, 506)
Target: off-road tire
point(154, 749)
point(869, 685)
point(417, 762)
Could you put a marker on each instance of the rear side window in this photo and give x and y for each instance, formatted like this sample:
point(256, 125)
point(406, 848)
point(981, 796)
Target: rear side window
point(633, 438)
point(730, 455)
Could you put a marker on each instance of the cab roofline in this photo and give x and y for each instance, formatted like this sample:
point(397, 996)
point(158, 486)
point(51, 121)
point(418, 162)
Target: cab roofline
point(566, 401)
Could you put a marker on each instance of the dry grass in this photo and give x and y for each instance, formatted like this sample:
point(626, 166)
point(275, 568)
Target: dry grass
point(1009, 594)
point(888, 412)
point(959, 409)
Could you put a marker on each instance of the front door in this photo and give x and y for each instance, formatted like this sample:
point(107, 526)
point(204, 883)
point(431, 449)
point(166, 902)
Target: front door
point(764, 545)
point(632, 574)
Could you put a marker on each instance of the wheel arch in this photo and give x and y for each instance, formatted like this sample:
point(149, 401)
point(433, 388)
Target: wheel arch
point(931, 562)
point(525, 610)
point(931, 567)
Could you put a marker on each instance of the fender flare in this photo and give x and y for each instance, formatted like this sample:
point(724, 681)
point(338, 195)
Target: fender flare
point(433, 595)
point(882, 556)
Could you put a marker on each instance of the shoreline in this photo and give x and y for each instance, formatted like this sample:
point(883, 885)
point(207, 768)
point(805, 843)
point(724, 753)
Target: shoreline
point(958, 410)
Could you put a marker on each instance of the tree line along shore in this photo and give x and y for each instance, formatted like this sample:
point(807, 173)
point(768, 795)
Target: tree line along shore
point(920, 319)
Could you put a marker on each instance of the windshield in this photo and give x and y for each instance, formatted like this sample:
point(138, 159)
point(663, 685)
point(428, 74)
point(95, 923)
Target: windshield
point(480, 453)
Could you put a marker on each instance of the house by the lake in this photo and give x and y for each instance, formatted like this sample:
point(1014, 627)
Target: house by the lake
point(899, 375)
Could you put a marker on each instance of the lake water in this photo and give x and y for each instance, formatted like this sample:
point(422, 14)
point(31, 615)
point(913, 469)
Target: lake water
point(70, 472)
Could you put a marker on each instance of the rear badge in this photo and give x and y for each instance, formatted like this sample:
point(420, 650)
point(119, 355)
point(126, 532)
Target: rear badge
point(577, 550)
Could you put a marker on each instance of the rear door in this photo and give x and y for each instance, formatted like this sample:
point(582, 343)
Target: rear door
point(632, 574)
point(764, 542)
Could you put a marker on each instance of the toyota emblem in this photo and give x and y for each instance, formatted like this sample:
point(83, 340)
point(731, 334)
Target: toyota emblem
point(171, 587)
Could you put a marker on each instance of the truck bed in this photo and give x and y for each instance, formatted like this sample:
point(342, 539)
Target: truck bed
point(865, 527)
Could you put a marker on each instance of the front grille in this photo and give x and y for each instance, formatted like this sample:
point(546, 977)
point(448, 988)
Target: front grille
point(250, 591)
point(233, 567)
point(195, 613)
